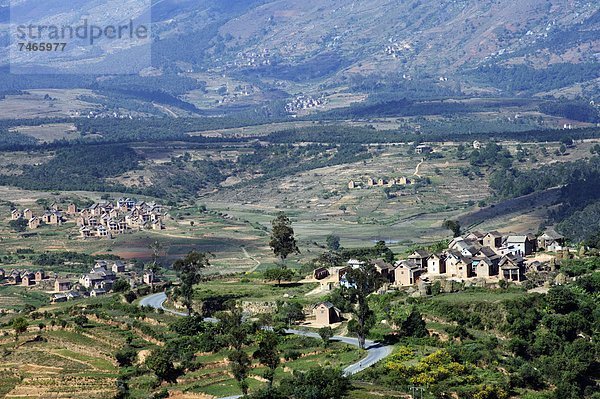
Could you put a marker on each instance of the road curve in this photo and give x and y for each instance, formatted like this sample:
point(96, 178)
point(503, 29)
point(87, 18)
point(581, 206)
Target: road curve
point(375, 351)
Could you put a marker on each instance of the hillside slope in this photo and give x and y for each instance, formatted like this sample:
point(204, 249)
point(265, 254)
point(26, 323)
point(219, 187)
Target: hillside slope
point(303, 46)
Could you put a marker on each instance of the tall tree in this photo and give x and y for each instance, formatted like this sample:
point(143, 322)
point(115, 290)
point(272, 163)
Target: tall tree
point(412, 325)
point(333, 242)
point(156, 248)
point(236, 334)
point(20, 326)
point(283, 241)
point(362, 281)
point(240, 366)
point(326, 333)
point(268, 353)
point(452, 225)
point(189, 270)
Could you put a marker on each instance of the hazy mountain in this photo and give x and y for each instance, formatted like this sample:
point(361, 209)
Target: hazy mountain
point(468, 42)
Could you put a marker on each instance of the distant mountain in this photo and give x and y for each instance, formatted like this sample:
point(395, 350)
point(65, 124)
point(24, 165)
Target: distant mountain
point(549, 45)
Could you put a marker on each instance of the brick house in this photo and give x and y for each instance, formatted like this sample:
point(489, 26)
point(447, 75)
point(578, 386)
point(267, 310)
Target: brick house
point(320, 273)
point(493, 239)
point(28, 279)
point(458, 265)
point(407, 272)
point(326, 314)
point(149, 277)
point(423, 149)
point(436, 264)
point(523, 245)
point(61, 285)
point(420, 257)
point(72, 209)
point(34, 223)
point(511, 267)
point(27, 214)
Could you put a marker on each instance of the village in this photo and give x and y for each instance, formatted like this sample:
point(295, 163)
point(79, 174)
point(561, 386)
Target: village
point(100, 280)
point(371, 182)
point(100, 220)
point(380, 182)
point(485, 257)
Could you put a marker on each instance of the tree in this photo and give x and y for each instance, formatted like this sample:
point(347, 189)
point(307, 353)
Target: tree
point(283, 242)
point(20, 326)
point(381, 249)
point(490, 392)
point(80, 320)
point(188, 326)
point(240, 365)
point(561, 300)
point(189, 271)
point(267, 393)
point(278, 274)
point(129, 296)
point(125, 356)
point(316, 383)
point(333, 242)
point(362, 281)
point(235, 333)
point(156, 248)
point(413, 325)
point(452, 225)
point(343, 208)
point(18, 225)
point(160, 362)
point(121, 285)
point(267, 353)
point(330, 259)
point(289, 312)
point(568, 141)
point(326, 333)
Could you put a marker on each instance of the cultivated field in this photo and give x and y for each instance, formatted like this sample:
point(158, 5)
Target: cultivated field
point(49, 103)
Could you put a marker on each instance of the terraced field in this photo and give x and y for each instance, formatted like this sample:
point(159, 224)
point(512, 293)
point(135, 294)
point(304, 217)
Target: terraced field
point(57, 364)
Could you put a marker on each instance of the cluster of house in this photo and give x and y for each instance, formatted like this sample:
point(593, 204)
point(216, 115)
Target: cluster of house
point(381, 182)
point(396, 49)
point(303, 102)
point(103, 275)
point(108, 218)
point(101, 113)
point(490, 255)
point(476, 255)
point(100, 219)
point(25, 278)
point(98, 281)
point(253, 58)
point(51, 216)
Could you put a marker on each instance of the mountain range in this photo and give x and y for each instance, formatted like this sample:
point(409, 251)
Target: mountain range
point(308, 46)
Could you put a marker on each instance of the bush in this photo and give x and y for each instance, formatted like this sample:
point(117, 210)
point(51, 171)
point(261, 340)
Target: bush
point(292, 355)
point(126, 356)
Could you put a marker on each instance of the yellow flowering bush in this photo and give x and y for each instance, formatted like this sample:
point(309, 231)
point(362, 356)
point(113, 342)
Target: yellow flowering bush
point(490, 392)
